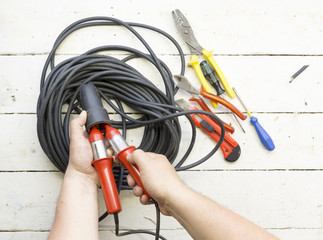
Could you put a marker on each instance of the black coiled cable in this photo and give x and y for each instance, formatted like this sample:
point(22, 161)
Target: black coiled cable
point(115, 80)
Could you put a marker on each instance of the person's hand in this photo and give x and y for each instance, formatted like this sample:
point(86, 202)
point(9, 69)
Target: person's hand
point(158, 177)
point(81, 154)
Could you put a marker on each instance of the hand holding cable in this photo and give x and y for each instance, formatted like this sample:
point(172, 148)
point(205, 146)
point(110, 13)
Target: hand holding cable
point(98, 122)
point(158, 176)
point(80, 149)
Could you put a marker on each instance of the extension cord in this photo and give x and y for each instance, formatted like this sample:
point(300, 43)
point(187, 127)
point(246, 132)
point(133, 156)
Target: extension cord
point(116, 80)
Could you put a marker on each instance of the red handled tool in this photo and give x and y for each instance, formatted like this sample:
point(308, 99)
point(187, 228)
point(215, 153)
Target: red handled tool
point(122, 150)
point(230, 148)
point(223, 102)
point(98, 125)
point(203, 105)
point(185, 85)
point(103, 165)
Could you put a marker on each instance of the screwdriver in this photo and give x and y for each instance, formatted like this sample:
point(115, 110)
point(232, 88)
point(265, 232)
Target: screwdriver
point(263, 135)
point(213, 78)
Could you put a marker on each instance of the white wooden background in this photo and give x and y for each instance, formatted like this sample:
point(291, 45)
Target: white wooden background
point(258, 44)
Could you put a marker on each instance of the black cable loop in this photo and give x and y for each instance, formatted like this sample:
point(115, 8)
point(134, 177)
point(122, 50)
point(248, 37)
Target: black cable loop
point(115, 80)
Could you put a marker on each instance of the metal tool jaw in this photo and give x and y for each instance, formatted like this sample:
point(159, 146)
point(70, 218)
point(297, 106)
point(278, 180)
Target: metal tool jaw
point(185, 85)
point(182, 104)
point(187, 33)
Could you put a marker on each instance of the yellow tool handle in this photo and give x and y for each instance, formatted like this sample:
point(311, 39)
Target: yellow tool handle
point(209, 57)
point(198, 71)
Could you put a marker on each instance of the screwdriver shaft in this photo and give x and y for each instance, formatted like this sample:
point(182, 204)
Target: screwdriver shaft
point(239, 123)
point(238, 96)
point(262, 134)
point(236, 119)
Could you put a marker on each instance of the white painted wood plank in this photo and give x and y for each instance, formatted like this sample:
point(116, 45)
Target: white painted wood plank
point(304, 234)
point(22, 150)
point(28, 200)
point(286, 234)
point(23, 235)
point(103, 235)
point(262, 82)
point(272, 199)
point(228, 27)
point(298, 144)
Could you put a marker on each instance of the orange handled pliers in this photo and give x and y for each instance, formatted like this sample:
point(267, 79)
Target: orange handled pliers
point(185, 85)
point(223, 102)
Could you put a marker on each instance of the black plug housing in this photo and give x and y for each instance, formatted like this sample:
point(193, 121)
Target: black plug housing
point(91, 103)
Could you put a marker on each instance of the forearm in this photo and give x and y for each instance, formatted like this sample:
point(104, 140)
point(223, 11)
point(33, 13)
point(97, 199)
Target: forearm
point(205, 219)
point(77, 208)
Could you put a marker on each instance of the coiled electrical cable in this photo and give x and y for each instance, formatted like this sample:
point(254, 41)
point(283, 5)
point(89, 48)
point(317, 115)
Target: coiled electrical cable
point(118, 84)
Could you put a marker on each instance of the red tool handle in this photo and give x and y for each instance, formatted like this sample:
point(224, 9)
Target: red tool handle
point(103, 167)
point(203, 105)
point(229, 147)
point(224, 102)
point(132, 169)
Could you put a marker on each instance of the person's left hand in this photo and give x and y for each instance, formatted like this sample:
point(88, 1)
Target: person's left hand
point(81, 154)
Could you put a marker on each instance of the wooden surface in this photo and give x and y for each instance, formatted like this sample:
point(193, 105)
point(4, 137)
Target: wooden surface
point(259, 46)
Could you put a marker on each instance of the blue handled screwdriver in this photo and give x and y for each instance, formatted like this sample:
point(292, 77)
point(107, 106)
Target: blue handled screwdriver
point(263, 135)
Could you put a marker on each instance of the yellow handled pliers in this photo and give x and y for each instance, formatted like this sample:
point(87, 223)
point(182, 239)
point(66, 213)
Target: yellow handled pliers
point(195, 49)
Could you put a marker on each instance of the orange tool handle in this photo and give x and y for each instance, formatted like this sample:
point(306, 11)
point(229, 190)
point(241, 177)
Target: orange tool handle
point(103, 167)
point(224, 102)
point(230, 148)
point(132, 169)
point(203, 105)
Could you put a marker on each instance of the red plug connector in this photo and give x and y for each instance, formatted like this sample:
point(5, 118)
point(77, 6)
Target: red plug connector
point(103, 165)
point(122, 150)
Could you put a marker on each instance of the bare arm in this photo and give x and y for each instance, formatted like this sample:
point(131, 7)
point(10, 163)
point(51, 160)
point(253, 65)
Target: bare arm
point(200, 216)
point(77, 206)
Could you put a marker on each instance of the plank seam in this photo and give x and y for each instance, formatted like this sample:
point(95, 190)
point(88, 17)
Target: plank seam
point(197, 170)
point(185, 54)
point(162, 229)
point(254, 112)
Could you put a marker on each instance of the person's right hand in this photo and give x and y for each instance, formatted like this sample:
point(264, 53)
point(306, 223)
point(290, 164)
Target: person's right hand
point(158, 177)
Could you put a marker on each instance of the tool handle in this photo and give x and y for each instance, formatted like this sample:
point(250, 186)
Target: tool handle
point(133, 171)
point(263, 135)
point(203, 105)
point(212, 77)
point(194, 63)
point(223, 102)
point(217, 130)
point(209, 57)
point(229, 147)
point(103, 167)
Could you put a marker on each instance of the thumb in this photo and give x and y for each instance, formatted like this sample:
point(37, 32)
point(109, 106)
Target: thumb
point(82, 118)
point(77, 125)
point(136, 157)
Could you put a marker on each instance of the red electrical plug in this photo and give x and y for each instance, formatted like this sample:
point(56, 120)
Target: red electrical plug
point(122, 150)
point(103, 165)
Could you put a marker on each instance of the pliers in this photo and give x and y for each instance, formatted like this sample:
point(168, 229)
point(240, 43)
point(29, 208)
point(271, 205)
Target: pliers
point(196, 49)
point(185, 85)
